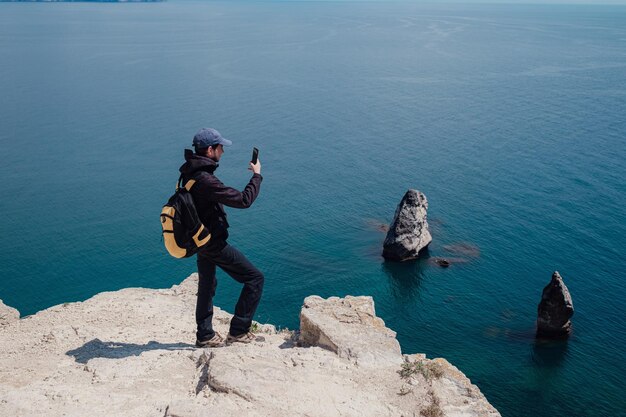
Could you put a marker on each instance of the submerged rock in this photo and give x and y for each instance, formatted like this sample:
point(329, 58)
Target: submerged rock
point(8, 314)
point(555, 309)
point(463, 249)
point(408, 233)
point(377, 225)
point(442, 262)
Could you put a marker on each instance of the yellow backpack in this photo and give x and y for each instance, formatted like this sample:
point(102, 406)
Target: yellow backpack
point(183, 232)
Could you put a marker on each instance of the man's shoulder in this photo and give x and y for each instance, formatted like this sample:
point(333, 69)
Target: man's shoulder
point(206, 179)
point(205, 175)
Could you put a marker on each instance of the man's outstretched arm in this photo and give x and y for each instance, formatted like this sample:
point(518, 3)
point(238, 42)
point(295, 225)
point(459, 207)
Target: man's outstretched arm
point(231, 197)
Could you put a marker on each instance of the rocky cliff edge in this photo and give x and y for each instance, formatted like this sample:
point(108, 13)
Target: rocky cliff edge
point(131, 353)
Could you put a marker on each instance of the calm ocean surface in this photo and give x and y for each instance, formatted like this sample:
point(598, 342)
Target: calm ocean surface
point(511, 119)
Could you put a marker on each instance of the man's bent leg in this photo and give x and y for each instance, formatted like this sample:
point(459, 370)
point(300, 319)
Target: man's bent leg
point(207, 283)
point(235, 264)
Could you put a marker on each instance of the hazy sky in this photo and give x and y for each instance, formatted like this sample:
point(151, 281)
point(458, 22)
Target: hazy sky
point(597, 2)
point(623, 2)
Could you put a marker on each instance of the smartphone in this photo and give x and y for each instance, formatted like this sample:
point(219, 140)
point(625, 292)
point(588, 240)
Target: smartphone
point(255, 155)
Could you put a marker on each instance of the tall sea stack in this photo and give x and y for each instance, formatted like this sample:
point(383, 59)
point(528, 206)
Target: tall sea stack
point(555, 310)
point(408, 233)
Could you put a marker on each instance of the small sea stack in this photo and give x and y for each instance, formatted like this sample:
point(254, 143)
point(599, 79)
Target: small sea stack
point(408, 233)
point(555, 310)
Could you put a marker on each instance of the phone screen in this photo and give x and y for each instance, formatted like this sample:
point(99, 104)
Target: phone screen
point(255, 155)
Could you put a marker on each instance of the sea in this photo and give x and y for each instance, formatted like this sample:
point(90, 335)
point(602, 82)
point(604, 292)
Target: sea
point(510, 118)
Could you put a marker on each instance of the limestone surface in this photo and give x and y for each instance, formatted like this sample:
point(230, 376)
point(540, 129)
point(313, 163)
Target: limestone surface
point(349, 327)
point(8, 314)
point(555, 309)
point(408, 233)
point(131, 353)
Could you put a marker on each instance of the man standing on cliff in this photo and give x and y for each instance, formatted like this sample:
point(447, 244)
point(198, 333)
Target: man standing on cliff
point(210, 196)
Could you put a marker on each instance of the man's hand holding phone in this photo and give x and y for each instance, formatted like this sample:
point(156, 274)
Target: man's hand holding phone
point(255, 164)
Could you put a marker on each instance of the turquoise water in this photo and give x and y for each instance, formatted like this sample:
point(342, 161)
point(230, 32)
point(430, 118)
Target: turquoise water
point(509, 118)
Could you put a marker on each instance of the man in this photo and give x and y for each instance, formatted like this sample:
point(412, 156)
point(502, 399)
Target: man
point(210, 195)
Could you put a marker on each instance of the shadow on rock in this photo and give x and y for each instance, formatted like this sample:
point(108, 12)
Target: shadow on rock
point(115, 350)
point(405, 278)
point(291, 341)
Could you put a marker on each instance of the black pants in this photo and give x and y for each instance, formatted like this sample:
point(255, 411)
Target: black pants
point(235, 264)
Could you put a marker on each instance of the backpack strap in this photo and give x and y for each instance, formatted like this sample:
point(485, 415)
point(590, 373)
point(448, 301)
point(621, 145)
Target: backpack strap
point(188, 184)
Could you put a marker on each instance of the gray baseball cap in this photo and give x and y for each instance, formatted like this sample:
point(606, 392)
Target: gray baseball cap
point(207, 137)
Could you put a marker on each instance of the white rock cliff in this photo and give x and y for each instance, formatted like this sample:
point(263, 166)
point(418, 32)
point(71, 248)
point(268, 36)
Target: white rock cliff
point(130, 353)
point(8, 314)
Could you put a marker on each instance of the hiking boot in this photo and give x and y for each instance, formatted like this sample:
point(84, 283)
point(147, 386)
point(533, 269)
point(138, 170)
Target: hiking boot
point(244, 338)
point(215, 341)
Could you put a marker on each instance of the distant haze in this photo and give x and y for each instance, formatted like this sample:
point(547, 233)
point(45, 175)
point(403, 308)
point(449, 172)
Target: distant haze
point(589, 2)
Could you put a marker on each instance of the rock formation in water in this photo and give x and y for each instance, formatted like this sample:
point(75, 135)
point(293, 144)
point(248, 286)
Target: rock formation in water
point(408, 233)
point(8, 314)
point(131, 353)
point(555, 310)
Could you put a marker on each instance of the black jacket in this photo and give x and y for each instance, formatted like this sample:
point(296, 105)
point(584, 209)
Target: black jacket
point(210, 195)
